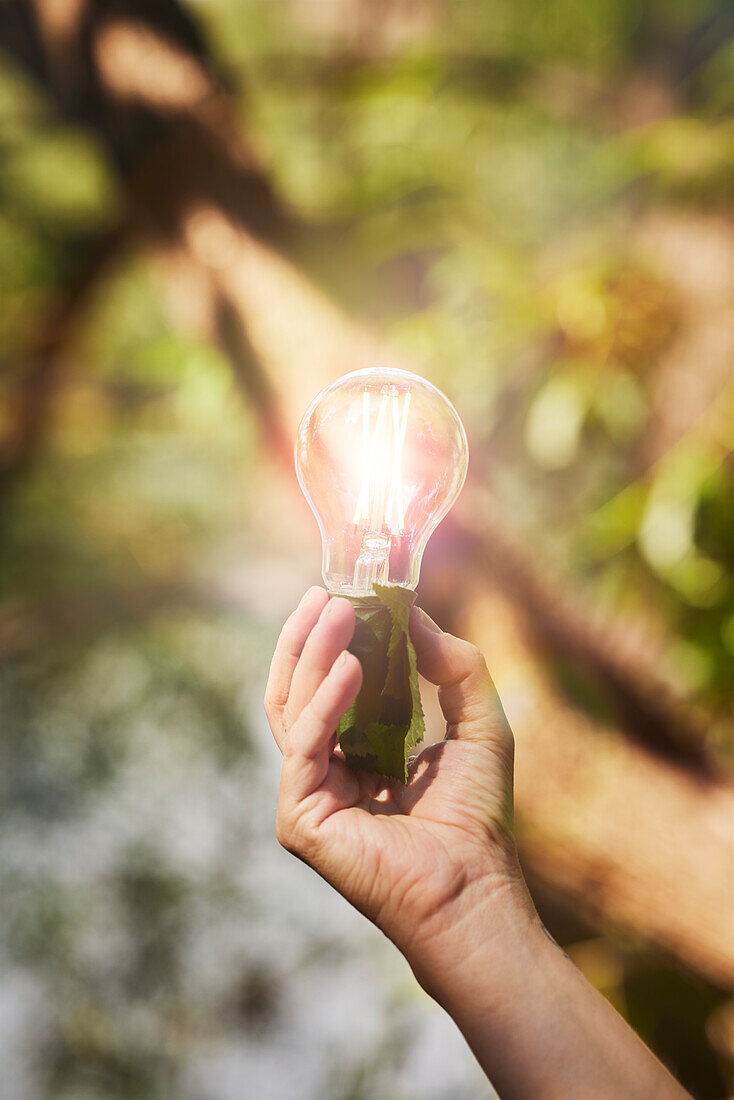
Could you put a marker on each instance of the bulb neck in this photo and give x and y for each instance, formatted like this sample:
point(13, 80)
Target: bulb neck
point(358, 558)
point(373, 563)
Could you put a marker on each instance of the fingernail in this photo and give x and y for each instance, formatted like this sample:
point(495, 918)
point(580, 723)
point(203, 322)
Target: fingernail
point(428, 622)
point(340, 662)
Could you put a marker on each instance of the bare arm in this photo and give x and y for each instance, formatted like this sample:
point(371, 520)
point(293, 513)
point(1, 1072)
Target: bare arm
point(433, 864)
point(536, 1026)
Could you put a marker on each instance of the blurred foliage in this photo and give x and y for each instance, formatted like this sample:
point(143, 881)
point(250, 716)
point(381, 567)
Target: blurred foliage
point(500, 174)
point(495, 186)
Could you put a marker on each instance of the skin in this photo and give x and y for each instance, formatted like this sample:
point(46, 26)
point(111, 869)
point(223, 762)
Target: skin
point(433, 864)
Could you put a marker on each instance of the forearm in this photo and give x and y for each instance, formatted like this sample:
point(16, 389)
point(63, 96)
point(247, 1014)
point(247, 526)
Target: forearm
point(536, 1026)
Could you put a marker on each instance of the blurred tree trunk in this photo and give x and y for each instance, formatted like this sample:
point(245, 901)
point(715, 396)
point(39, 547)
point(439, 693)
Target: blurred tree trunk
point(631, 838)
point(137, 73)
point(629, 820)
point(633, 823)
point(138, 76)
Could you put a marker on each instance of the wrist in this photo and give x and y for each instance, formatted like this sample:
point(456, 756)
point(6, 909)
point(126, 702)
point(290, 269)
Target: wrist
point(490, 922)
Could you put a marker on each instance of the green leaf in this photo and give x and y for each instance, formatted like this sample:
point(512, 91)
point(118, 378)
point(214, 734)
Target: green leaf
point(386, 719)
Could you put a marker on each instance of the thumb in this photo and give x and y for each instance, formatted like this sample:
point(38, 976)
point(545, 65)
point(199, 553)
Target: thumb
point(468, 698)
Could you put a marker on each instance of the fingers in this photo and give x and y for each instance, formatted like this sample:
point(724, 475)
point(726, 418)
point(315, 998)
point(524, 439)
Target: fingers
point(466, 693)
point(290, 645)
point(309, 745)
point(331, 634)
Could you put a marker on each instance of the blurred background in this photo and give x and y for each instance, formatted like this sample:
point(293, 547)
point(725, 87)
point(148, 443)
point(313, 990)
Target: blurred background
point(207, 212)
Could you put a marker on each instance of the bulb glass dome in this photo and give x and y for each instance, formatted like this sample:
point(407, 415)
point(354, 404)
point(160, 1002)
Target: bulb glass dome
point(381, 455)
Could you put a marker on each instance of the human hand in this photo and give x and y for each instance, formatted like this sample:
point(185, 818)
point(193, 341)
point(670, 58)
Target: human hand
point(433, 863)
point(411, 858)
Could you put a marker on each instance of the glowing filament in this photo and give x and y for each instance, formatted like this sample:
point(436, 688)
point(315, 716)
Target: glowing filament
point(380, 479)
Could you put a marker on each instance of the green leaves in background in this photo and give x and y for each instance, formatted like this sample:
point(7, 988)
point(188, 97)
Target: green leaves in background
point(386, 719)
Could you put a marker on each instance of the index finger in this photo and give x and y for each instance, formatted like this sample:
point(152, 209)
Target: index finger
point(288, 649)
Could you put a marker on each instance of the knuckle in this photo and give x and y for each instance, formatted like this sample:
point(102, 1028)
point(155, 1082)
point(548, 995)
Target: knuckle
point(292, 739)
point(284, 832)
point(294, 832)
point(302, 838)
point(317, 713)
point(288, 719)
point(472, 657)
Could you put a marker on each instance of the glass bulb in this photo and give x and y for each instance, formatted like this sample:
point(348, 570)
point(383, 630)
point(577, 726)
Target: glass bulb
point(381, 455)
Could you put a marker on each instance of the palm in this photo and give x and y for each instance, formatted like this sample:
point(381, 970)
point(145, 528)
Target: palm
point(379, 839)
point(391, 849)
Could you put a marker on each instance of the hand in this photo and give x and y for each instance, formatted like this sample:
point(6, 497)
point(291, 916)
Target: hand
point(411, 858)
point(433, 863)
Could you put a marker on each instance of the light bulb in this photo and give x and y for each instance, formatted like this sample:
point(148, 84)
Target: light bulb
point(381, 455)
